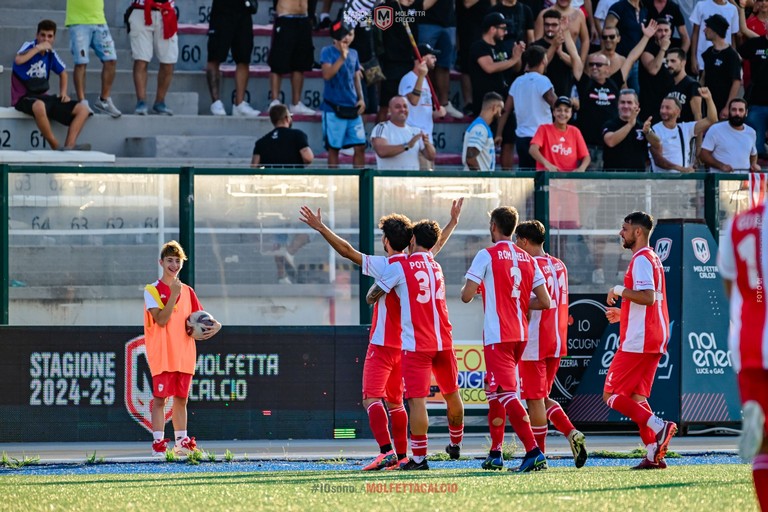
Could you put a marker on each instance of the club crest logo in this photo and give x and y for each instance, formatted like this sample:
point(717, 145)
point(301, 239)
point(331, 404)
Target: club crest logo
point(701, 249)
point(138, 384)
point(663, 248)
point(383, 17)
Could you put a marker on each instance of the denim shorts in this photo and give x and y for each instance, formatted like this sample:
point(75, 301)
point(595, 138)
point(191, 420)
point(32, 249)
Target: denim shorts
point(342, 133)
point(440, 38)
point(83, 37)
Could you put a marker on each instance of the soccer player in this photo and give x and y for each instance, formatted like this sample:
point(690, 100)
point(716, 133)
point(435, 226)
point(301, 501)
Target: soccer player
point(743, 262)
point(547, 343)
point(643, 339)
point(382, 378)
point(508, 276)
point(427, 341)
point(171, 352)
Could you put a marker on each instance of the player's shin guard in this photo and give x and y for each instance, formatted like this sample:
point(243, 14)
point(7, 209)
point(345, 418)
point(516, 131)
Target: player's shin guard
point(399, 428)
point(760, 476)
point(630, 409)
point(377, 419)
point(646, 433)
point(496, 412)
point(456, 434)
point(518, 417)
point(540, 435)
point(560, 420)
point(419, 445)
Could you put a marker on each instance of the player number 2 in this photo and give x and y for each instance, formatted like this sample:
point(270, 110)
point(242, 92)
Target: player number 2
point(517, 278)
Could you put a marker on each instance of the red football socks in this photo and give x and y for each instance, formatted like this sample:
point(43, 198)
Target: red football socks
point(377, 419)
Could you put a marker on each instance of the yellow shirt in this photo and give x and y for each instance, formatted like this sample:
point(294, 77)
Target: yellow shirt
point(169, 349)
point(85, 12)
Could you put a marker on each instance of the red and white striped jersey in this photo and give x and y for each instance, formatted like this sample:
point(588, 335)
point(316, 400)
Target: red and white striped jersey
point(419, 284)
point(507, 274)
point(548, 329)
point(645, 329)
point(743, 259)
point(385, 324)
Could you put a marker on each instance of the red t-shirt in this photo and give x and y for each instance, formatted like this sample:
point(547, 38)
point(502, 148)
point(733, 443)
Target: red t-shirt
point(564, 149)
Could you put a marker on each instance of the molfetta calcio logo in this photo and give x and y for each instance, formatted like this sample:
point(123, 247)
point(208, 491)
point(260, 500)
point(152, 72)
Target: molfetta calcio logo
point(701, 249)
point(663, 247)
point(383, 17)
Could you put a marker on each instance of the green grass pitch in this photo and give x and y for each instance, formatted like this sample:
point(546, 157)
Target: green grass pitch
point(699, 488)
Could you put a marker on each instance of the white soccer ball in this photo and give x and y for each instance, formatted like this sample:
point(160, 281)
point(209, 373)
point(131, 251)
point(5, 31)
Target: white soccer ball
point(197, 321)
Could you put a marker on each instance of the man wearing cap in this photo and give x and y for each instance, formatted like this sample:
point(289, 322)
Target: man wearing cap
point(414, 86)
point(722, 65)
point(397, 144)
point(342, 97)
point(701, 11)
point(677, 152)
point(559, 146)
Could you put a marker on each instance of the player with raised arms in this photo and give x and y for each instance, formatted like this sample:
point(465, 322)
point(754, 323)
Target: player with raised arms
point(382, 377)
point(509, 277)
point(643, 339)
point(171, 352)
point(418, 283)
point(743, 262)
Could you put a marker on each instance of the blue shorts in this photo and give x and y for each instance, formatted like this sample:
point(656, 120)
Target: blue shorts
point(440, 38)
point(342, 133)
point(82, 37)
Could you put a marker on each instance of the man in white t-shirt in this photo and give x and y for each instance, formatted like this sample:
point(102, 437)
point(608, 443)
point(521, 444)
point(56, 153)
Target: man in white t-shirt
point(397, 144)
point(479, 151)
point(678, 140)
point(414, 87)
point(729, 146)
point(703, 10)
point(531, 97)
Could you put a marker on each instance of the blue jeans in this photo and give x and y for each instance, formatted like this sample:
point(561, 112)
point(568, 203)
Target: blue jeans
point(758, 119)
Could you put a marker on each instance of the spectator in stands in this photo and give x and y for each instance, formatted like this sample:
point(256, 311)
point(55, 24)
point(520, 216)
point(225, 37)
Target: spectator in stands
point(291, 52)
point(608, 43)
point(325, 15)
point(577, 24)
point(626, 140)
point(438, 29)
point(153, 26)
point(755, 50)
point(670, 11)
point(599, 94)
point(343, 102)
point(655, 79)
point(757, 23)
point(729, 146)
point(469, 30)
point(32, 67)
point(701, 11)
point(284, 145)
point(559, 63)
point(677, 152)
point(414, 86)
point(628, 16)
point(721, 71)
point(397, 144)
point(559, 146)
point(88, 29)
point(601, 12)
point(530, 100)
point(520, 22)
point(230, 28)
point(479, 150)
point(684, 88)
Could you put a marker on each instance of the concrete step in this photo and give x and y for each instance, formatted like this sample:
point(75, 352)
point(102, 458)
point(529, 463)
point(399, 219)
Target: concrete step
point(21, 17)
point(180, 146)
point(199, 11)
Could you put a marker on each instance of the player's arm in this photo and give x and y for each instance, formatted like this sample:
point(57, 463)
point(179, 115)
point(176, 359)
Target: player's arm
point(641, 297)
point(341, 246)
point(448, 229)
point(474, 276)
point(542, 300)
point(210, 331)
point(163, 316)
point(374, 293)
point(469, 290)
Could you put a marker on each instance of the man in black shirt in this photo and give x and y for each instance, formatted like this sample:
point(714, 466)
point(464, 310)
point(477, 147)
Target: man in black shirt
point(722, 65)
point(670, 10)
point(283, 145)
point(655, 79)
point(684, 88)
point(559, 67)
point(626, 140)
point(755, 49)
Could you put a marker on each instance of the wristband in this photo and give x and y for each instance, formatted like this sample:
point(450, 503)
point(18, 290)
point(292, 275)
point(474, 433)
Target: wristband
point(619, 290)
point(416, 92)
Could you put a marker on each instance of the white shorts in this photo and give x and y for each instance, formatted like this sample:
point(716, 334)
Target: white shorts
point(145, 38)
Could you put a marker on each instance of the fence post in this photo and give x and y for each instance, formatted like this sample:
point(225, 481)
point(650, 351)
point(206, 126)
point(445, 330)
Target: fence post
point(4, 257)
point(366, 222)
point(541, 202)
point(187, 222)
point(712, 204)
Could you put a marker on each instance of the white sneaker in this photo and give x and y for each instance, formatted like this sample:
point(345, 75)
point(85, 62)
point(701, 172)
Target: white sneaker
point(107, 107)
point(752, 425)
point(285, 280)
point(217, 108)
point(453, 111)
point(244, 110)
point(347, 151)
point(87, 105)
point(301, 109)
point(273, 103)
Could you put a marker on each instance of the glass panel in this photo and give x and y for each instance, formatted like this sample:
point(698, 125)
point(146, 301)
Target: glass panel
point(586, 216)
point(257, 264)
point(734, 198)
point(420, 198)
point(82, 246)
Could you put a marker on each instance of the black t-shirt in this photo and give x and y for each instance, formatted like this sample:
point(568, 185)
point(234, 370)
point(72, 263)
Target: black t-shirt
point(756, 51)
point(443, 13)
point(687, 89)
point(281, 146)
point(536, 6)
point(599, 103)
point(519, 20)
point(629, 21)
point(483, 82)
point(398, 51)
point(671, 12)
point(558, 72)
point(629, 154)
point(721, 68)
point(653, 88)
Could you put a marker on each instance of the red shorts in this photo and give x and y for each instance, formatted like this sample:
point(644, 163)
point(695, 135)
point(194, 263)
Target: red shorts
point(537, 378)
point(171, 384)
point(631, 373)
point(501, 361)
point(753, 385)
point(382, 377)
point(418, 368)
